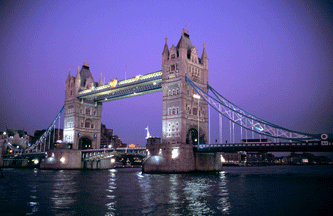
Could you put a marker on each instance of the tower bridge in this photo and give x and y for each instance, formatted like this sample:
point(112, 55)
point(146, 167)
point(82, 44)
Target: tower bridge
point(187, 97)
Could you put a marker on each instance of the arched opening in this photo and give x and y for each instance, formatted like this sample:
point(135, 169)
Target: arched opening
point(192, 136)
point(85, 143)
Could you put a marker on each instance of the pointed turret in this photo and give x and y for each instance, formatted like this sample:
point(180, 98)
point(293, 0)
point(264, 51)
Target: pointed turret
point(204, 57)
point(165, 53)
point(78, 78)
point(100, 82)
point(69, 76)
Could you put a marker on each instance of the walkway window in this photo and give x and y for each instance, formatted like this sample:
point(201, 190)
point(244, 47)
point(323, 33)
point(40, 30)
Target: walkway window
point(87, 124)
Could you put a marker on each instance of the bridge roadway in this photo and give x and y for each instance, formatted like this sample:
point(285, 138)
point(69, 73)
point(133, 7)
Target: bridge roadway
point(310, 146)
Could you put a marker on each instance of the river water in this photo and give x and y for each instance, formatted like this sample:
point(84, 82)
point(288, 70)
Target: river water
point(271, 190)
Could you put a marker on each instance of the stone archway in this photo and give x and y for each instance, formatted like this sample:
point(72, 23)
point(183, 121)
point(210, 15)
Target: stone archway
point(85, 143)
point(192, 136)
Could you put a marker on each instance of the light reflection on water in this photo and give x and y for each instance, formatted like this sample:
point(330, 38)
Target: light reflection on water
point(63, 194)
point(235, 191)
point(111, 198)
point(224, 204)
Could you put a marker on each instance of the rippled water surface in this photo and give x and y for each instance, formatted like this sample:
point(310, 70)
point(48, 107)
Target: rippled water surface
point(274, 190)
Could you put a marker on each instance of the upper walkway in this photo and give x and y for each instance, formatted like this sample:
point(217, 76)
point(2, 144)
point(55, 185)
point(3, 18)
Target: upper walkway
point(139, 85)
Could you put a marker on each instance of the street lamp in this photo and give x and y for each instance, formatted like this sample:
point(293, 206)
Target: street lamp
point(196, 96)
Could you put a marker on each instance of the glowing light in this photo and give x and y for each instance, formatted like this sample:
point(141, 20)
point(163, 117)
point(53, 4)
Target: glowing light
point(160, 152)
point(196, 96)
point(36, 161)
point(52, 154)
point(222, 159)
point(4, 133)
point(175, 153)
point(112, 160)
point(113, 83)
point(62, 160)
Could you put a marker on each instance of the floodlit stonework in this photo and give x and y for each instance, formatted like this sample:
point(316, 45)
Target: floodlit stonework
point(82, 121)
point(185, 115)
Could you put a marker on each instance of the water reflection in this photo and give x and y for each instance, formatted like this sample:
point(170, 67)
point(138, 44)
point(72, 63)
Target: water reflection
point(64, 193)
point(111, 197)
point(223, 201)
point(33, 203)
point(197, 195)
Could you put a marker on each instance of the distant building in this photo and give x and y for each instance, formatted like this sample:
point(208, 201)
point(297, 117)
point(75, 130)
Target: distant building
point(133, 146)
point(231, 157)
point(18, 138)
point(106, 137)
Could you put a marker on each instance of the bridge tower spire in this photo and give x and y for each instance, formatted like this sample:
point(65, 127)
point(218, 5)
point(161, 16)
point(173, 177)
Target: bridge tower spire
point(82, 118)
point(185, 115)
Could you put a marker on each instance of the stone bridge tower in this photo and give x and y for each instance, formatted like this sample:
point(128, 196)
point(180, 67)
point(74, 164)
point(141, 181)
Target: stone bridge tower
point(82, 119)
point(185, 115)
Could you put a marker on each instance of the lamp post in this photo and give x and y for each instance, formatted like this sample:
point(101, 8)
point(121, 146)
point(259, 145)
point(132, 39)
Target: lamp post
point(196, 96)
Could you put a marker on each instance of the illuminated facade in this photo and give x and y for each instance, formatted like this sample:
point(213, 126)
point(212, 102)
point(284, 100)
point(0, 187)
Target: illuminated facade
point(181, 109)
point(82, 121)
point(185, 114)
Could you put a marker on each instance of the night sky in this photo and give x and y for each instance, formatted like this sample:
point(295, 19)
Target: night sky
point(272, 59)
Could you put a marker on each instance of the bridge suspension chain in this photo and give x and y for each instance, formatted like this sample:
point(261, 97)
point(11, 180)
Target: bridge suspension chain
point(245, 119)
point(47, 132)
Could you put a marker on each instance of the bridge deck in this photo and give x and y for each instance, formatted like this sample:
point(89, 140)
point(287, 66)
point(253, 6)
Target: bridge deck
point(314, 146)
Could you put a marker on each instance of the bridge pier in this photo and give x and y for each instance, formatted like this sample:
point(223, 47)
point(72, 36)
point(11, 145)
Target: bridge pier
point(208, 162)
point(179, 158)
point(168, 158)
point(62, 159)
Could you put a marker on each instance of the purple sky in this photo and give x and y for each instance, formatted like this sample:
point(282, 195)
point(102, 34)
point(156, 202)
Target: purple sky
point(272, 59)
